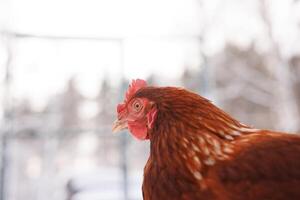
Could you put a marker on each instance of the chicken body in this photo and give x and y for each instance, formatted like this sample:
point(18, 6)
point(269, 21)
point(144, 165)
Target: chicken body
point(264, 168)
point(198, 152)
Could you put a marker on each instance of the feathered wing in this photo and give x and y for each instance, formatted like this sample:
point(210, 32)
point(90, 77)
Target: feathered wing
point(266, 166)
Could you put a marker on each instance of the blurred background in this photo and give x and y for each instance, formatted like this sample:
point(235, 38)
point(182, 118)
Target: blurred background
point(65, 64)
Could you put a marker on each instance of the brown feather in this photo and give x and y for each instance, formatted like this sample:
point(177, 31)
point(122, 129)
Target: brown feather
point(200, 152)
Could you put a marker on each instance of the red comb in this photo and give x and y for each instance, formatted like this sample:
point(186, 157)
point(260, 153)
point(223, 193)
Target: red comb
point(120, 107)
point(134, 87)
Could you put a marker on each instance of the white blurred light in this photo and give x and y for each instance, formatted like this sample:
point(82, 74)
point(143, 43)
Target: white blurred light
point(114, 18)
point(88, 110)
point(87, 143)
point(34, 167)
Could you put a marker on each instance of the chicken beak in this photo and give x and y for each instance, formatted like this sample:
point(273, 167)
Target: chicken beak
point(119, 125)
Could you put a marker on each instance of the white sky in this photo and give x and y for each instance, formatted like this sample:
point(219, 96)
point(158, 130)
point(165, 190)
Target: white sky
point(160, 38)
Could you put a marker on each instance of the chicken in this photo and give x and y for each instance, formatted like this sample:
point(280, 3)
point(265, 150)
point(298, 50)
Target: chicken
point(197, 151)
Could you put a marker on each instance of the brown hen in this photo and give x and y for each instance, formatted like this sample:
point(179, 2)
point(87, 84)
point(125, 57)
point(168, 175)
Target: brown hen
point(200, 152)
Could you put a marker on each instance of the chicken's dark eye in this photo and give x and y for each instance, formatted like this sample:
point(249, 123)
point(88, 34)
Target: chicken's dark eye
point(137, 106)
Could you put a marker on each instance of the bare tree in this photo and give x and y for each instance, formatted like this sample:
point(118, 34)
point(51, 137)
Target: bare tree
point(286, 105)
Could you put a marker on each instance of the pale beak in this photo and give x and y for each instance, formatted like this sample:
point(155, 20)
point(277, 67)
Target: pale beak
point(119, 125)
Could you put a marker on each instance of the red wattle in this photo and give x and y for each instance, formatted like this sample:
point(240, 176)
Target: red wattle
point(138, 131)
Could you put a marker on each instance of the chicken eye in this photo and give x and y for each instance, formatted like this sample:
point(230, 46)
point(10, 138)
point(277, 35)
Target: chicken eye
point(137, 106)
